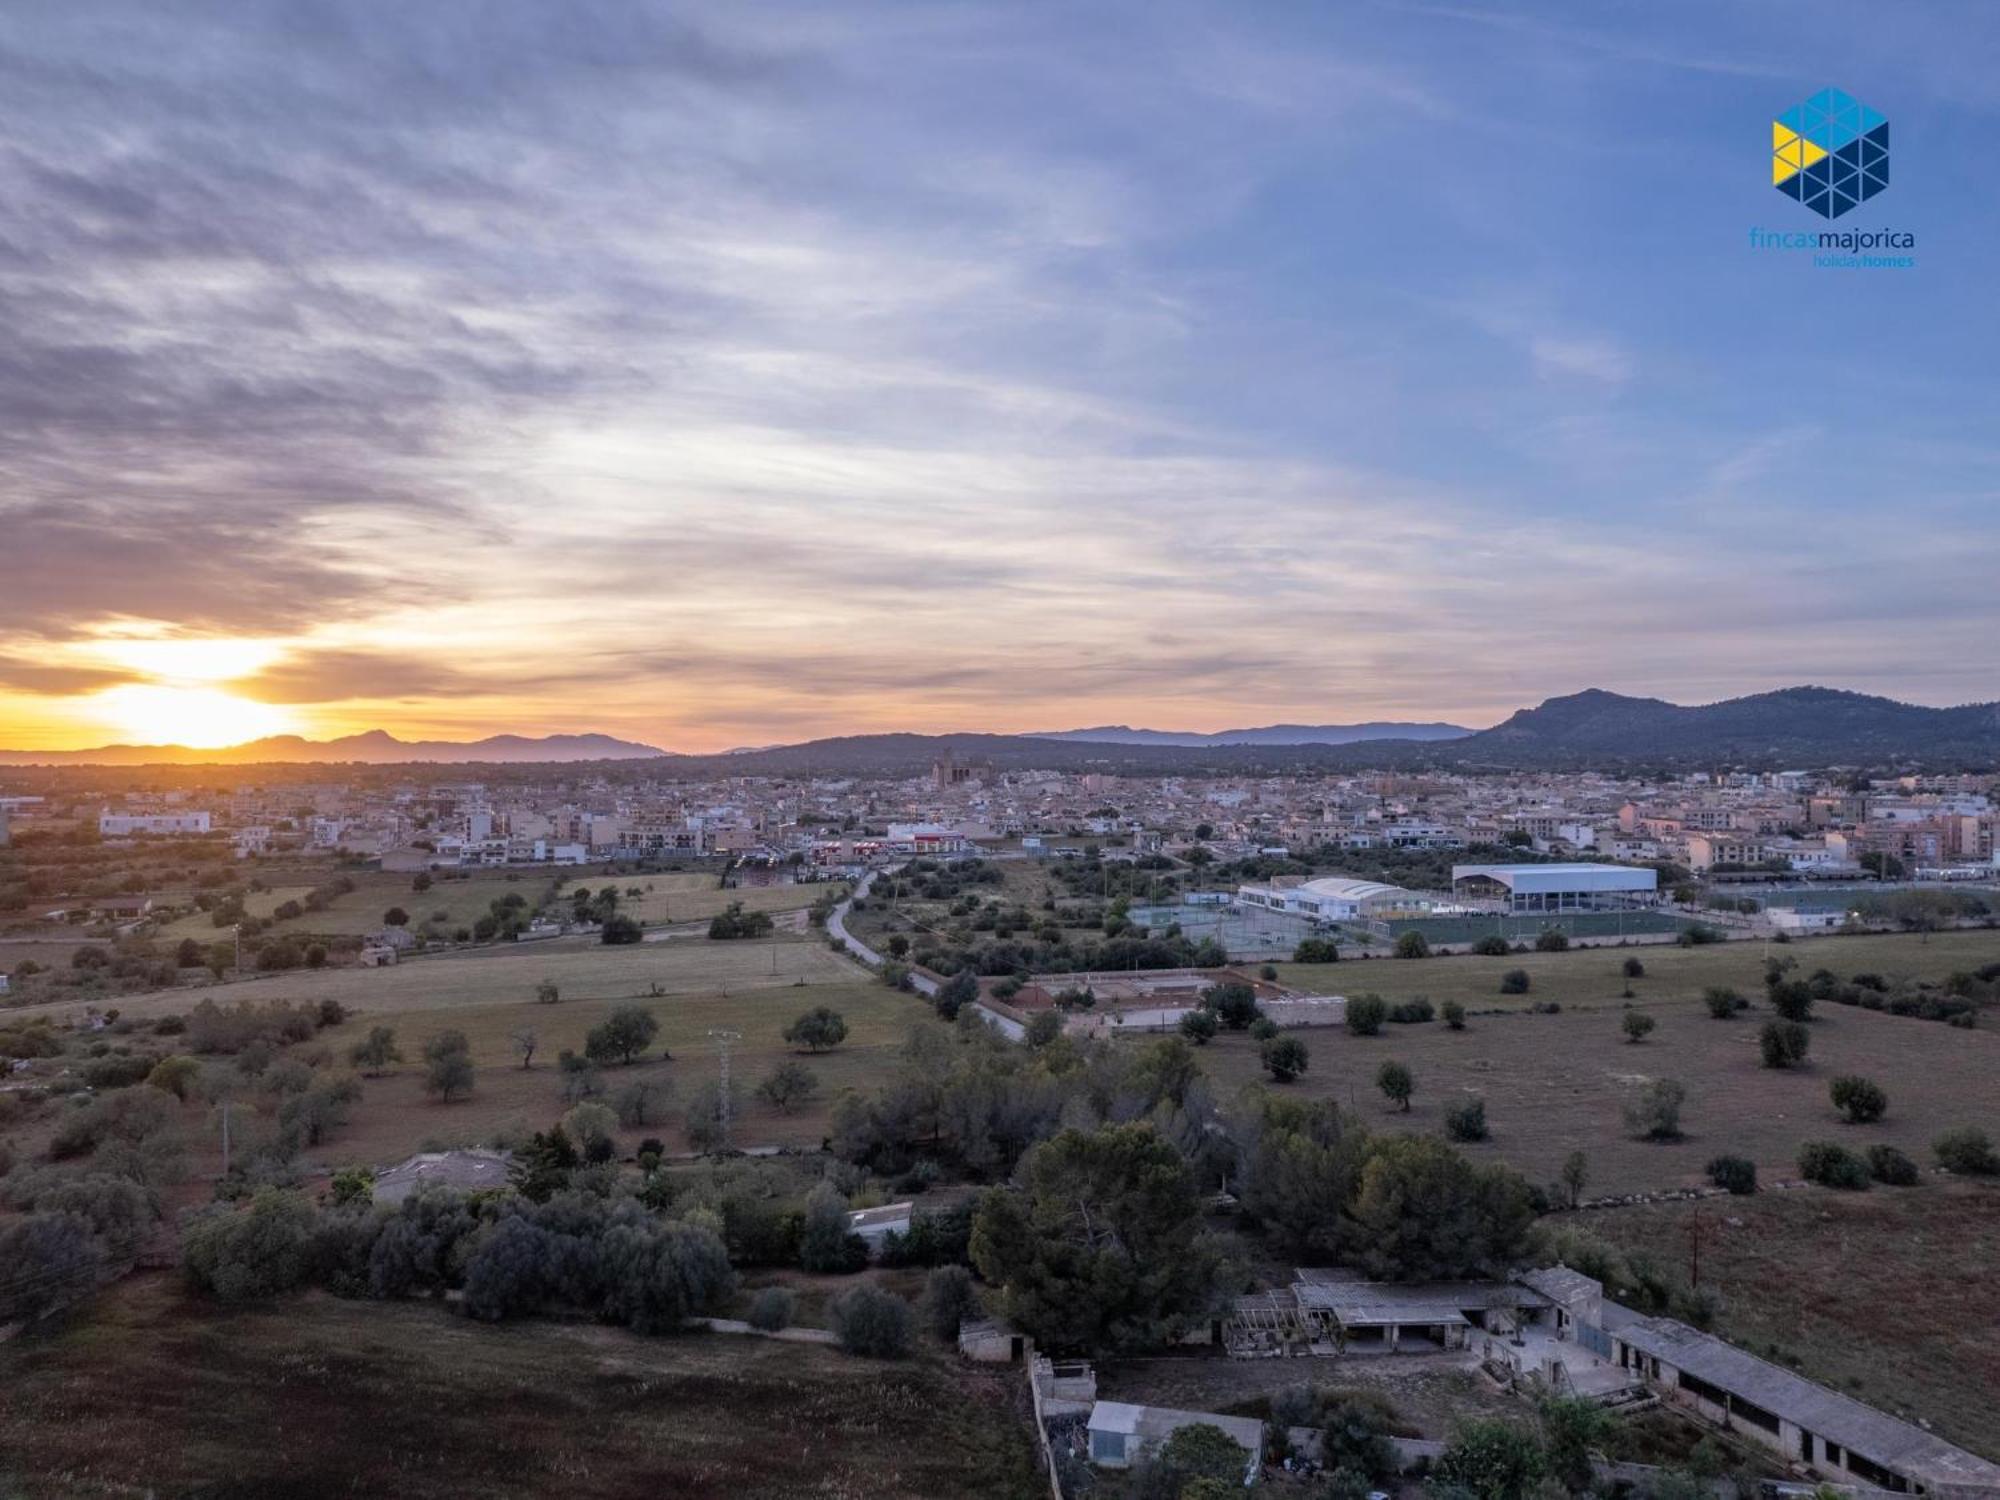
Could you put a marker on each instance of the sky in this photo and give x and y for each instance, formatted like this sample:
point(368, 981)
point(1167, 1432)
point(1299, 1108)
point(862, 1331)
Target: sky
point(717, 375)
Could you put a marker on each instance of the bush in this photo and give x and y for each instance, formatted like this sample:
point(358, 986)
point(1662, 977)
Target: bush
point(1637, 1025)
point(1735, 1174)
point(771, 1309)
point(1966, 1152)
point(872, 1322)
point(1314, 950)
point(1832, 1166)
point(1888, 1165)
point(1198, 1026)
point(1723, 1002)
point(237, 1255)
point(1454, 1015)
point(1494, 1460)
point(51, 1259)
point(1860, 1099)
point(1412, 944)
point(949, 1300)
point(1515, 982)
point(1466, 1121)
point(1233, 1003)
point(1551, 940)
point(1492, 946)
point(1397, 1083)
point(1634, 969)
point(1783, 1044)
point(1413, 1012)
point(1284, 1058)
point(1365, 1014)
point(620, 930)
point(1656, 1114)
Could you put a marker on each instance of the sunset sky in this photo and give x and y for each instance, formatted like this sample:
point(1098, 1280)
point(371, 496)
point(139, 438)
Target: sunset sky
point(727, 374)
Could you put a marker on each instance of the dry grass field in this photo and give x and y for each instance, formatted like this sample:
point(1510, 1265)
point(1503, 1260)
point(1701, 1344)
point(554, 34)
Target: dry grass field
point(688, 897)
point(1558, 1083)
point(1593, 976)
point(395, 1117)
point(313, 1398)
point(1889, 1295)
point(200, 926)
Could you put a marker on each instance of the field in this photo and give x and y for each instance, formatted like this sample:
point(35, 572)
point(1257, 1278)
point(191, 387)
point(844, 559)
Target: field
point(689, 897)
point(313, 1397)
point(1558, 1083)
point(1887, 1295)
point(1592, 976)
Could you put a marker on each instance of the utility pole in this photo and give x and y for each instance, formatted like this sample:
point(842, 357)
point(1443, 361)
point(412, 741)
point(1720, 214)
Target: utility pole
point(225, 1136)
point(1696, 1229)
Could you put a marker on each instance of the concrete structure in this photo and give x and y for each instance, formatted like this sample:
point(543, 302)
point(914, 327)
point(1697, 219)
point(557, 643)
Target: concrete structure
point(987, 1342)
point(1413, 1316)
point(1558, 888)
point(1121, 1434)
point(465, 1171)
point(1833, 1436)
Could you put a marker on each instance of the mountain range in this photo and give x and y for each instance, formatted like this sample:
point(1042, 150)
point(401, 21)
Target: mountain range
point(377, 747)
point(1803, 727)
point(1270, 734)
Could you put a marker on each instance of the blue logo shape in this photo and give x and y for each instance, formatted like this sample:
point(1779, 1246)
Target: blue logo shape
point(1830, 152)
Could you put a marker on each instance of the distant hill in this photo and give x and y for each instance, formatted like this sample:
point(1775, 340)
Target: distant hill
point(375, 748)
point(1801, 726)
point(1270, 734)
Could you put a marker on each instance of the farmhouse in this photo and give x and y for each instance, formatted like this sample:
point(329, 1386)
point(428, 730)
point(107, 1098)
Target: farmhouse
point(1121, 1434)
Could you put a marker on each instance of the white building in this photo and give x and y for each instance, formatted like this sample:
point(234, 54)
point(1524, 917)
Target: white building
point(111, 825)
point(1334, 899)
point(1545, 888)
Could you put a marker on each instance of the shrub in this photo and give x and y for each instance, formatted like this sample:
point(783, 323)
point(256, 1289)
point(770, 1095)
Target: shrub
point(1365, 1014)
point(1783, 1044)
point(1494, 1460)
point(1198, 1026)
point(51, 1259)
point(1551, 940)
point(1634, 969)
point(640, 1103)
point(1412, 944)
point(1966, 1152)
point(1637, 1025)
point(771, 1309)
point(1723, 1002)
point(1792, 1000)
point(1888, 1165)
point(1466, 1121)
point(1454, 1015)
point(1860, 1099)
point(1397, 1082)
point(1515, 982)
point(1735, 1174)
point(1233, 1003)
point(237, 1255)
point(1656, 1114)
point(1832, 1166)
point(1284, 1058)
point(619, 930)
point(949, 1299)
point(1413, 1012)
point(175, 1075)
point(1314, 950)
point(1492, 946)
point(872, 1322)
point(1046, 1025)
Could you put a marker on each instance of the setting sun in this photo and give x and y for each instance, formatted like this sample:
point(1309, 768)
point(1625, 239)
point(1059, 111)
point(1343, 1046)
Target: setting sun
point(200, 718)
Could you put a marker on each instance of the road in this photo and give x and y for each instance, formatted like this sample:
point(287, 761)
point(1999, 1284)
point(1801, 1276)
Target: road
point(836, 925)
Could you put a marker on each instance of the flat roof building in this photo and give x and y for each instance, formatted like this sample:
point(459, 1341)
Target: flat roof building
point(1539, 888)
point(1335, 899)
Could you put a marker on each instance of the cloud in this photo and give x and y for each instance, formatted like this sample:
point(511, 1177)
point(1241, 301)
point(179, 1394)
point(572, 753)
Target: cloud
point(1599, 360)
point(23, 676)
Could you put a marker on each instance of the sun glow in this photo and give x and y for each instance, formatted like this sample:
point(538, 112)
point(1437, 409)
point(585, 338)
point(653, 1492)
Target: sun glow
point(200, 718)
point(186, 661)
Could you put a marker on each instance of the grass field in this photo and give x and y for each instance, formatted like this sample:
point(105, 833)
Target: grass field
point(1593, 976)
point(200, 926)
point(1558, 1083)
point(1888, 1295)
point(311, 1397)
point(395, 1117)
point(688, 897)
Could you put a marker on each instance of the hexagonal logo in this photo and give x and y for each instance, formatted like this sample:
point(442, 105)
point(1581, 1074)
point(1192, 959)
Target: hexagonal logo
point(1830, 153)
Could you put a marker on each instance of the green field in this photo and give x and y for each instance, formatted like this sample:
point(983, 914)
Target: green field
point(1558, 1083)
point(1592, 976)
point(684, 896)
point(314, 1398)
